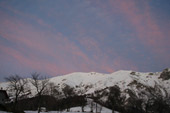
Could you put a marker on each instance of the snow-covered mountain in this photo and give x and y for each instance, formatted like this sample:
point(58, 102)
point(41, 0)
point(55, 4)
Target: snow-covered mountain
point(87, 83)
point(133, 86)
point(91, 82)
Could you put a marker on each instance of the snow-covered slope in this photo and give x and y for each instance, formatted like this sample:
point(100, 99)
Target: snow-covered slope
point(139, 88)
point(90, 82)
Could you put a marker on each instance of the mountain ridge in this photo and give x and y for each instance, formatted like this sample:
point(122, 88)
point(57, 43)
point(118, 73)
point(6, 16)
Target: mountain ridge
point(144, 89)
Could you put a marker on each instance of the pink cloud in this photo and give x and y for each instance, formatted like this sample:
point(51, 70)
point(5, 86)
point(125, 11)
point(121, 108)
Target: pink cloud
point(33, 62)
point(68, 56)
point(57, 46)
point(148, 30)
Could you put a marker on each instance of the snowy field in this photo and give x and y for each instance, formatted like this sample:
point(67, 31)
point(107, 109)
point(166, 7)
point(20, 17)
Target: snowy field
point(76, 110)
point(72, 110)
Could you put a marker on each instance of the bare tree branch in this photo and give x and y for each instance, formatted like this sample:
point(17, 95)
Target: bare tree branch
point(17, 86)
point(40, 83)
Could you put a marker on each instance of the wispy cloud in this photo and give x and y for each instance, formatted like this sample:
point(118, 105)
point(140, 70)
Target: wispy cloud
point(102, 36)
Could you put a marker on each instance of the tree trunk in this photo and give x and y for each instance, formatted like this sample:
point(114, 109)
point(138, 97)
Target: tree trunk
point(39, 110)
point(92, 107)
point(82, 108)
point(68, 109)
point(39, 103)
point(113, 109)
point(96, 107)
point(15, 103)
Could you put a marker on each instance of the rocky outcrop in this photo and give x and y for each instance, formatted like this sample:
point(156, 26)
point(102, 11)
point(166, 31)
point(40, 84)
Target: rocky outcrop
point(149, 100)
point(165, 75)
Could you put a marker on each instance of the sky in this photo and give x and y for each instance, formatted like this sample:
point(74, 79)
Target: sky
point(56, 37)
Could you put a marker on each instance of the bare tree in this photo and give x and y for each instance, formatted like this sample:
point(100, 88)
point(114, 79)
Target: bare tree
point(18, 87)
point(40, 83)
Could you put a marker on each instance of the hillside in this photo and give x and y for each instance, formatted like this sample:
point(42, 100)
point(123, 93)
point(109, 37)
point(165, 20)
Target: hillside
point(142, 91)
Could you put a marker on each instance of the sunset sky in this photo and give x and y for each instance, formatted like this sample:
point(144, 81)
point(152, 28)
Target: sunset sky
point(56, 37)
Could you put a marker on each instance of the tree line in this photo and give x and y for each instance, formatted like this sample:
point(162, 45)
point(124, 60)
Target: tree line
point(48, 94)
point(21, 92)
